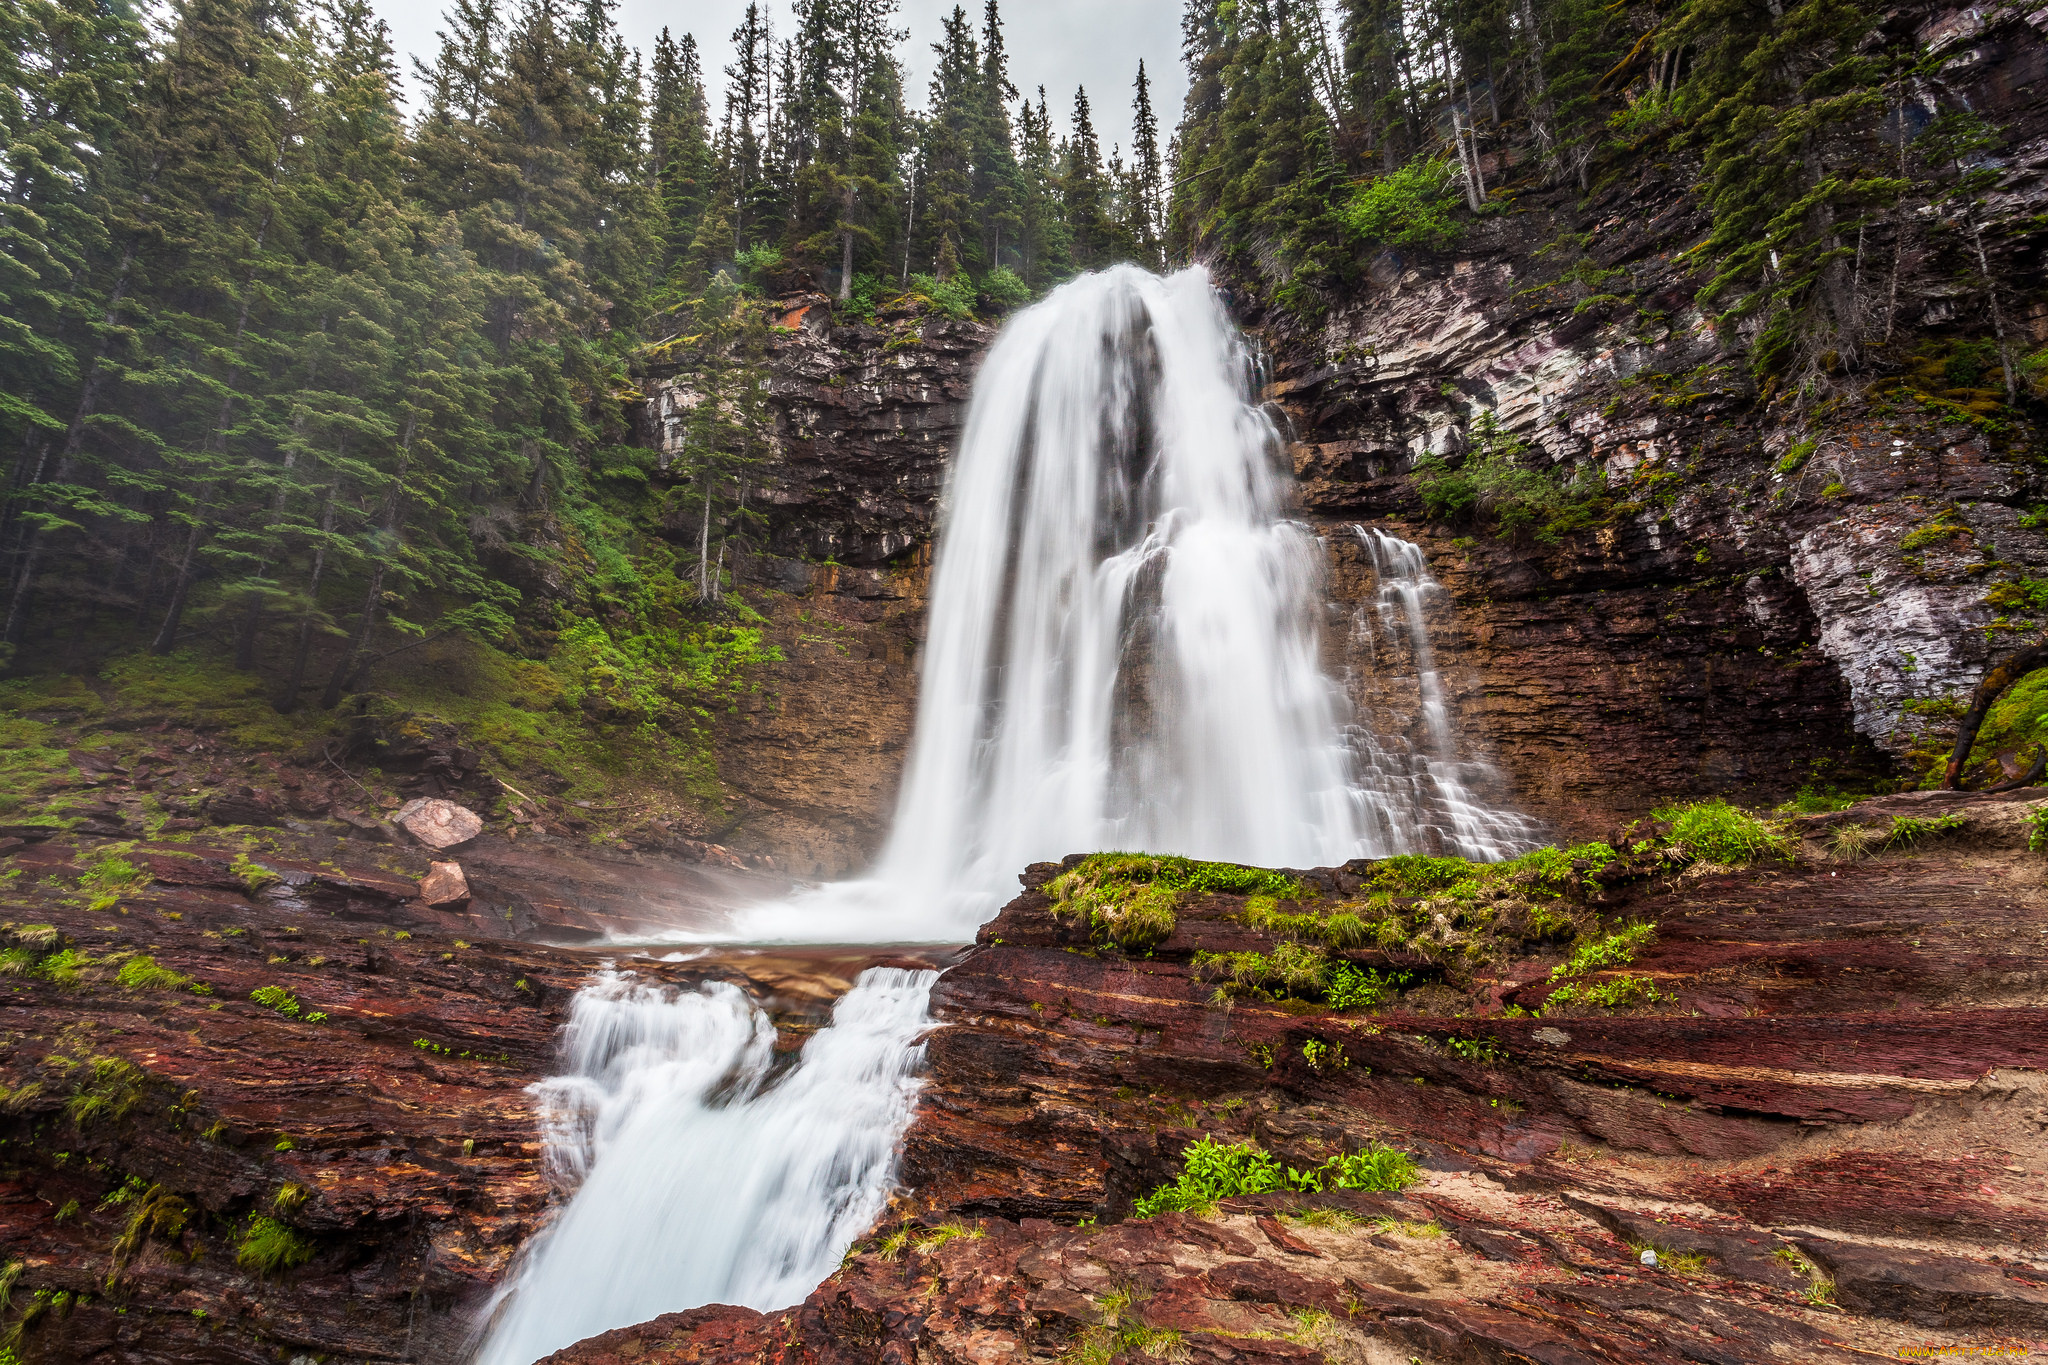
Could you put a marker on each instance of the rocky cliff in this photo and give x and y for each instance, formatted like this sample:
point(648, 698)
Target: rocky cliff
point(862, 419)
point(1762, 590)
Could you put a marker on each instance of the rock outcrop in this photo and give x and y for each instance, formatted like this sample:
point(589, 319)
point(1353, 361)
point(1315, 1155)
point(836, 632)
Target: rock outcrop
point(1827, 1127)
point(865, 417)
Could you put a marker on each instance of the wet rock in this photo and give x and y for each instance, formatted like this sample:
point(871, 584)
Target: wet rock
point(437, 823)
point(1929, 1289)
point(444, 886)
point(244, 805)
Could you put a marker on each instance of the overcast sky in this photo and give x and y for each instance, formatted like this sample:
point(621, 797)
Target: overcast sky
point(1055, 43)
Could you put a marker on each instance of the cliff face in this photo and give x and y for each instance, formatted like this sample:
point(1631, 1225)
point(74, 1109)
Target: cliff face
point(1772, 582)
point(864, 418)
point(1767, 591)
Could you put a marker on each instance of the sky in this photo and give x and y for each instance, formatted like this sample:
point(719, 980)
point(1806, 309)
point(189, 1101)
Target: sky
point(1055, 43)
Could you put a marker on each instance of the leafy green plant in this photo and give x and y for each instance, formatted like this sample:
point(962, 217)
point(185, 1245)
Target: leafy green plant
point(268, 1247)
point(1322, 1056)
point(1720, 833)
point(1493, 485)
point(1415, 205)
point(1610, 950)
point(277, 998)
point(1213, 1171)
point(954, 297)
point(1349, 987)
point(1615, 993)
point(1907, 830)
point(1485, 1051)
point(1005, 289)
point(109, 878)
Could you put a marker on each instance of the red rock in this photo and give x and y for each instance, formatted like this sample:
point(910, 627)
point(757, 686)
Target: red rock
point(444, 885)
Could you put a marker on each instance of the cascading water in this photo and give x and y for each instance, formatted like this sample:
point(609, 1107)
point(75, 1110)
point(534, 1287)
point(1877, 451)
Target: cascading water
point(1123, 641)
point(1123, 653)
point(1427, 790)
point(701, 1182)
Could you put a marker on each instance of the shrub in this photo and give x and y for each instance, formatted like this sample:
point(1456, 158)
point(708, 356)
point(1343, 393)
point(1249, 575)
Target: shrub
point(268, 1247)
point(1350, 987)
point(1413, 206)
point(1004, 288)
point(1612, 950)
point(1720, 833)
point(1492, 485)
point(954, 297)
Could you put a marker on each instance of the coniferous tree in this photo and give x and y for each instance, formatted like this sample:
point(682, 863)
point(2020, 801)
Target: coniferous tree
point(679, 145)
point(1148, 187)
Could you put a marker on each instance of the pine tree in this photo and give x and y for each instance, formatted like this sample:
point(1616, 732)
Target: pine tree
point(679, 145)
point(1082, 192)
point(1147, 192)
point(998, 182)
point(948, 235)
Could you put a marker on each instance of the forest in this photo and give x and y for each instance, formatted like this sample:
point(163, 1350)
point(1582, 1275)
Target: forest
point(295, 380)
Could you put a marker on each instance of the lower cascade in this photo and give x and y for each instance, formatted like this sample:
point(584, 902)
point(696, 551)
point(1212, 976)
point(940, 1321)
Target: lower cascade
point(704, 1178)
point(1124, 653)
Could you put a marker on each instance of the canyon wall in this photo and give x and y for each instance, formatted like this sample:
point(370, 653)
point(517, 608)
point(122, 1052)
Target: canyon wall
point(1769, 590)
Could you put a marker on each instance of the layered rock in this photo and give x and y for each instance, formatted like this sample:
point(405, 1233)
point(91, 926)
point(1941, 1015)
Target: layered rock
point(864, 419)
point(1827, 1130)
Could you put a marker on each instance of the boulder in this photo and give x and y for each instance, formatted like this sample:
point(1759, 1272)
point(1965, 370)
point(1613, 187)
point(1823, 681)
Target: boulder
point(438, 823)
point(444, 885)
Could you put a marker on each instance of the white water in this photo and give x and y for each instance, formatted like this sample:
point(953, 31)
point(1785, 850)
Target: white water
point(696, 1180)
point(1123, 647)
point(1123, 652)
point(1428, 790)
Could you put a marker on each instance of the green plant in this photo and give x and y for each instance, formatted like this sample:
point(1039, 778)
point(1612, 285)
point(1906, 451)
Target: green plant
point(1492, 484)
point(277, 998)
point(2037, 829)
point(1415, 205)
point(253, 876)
point(1615, 993)
point(1322, 1056)
point(1485, 1051)
point(109, 878)
point(954, 297)
point(1005, 289)
point(1717, 832)
point(1907, 830)
point(141, 973)
point(1611, 950)
point(944, 1233)
point(1349, 987)
point(269, 1246)
point(1213, 1171)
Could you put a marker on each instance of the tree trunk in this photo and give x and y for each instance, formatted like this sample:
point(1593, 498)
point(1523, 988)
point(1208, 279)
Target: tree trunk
point(394, 513)
point(288, 700)
point(1996, 681)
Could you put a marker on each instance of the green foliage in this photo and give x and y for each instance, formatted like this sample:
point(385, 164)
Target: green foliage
point(1214, 1171)
point(141, 973)
point(1416, 205)
point(1324, 1056)
point(1609, 950)
point(1485, 1051)
point(277, 998)
point(1813, 799)
point(2037, 829)
point(1907, 830)
point(109, 878)
point(1005, 289)
point(954, 297)
point(1349, 987)
point(1131, 899)
point(1621, 992)
point(1720, 833)
point(1492, 487)
point(269, 1247)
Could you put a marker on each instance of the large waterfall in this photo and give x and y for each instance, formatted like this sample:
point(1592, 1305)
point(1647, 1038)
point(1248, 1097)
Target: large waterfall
point(1123, 653)
point(1123, 637)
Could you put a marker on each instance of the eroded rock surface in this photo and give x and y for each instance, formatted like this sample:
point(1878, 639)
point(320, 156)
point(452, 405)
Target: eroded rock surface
point(1830, 1131)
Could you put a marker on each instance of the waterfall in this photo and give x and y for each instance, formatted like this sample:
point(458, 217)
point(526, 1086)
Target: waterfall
point(1123, 644)
point(1123, 653)
point(1427, 791)
point(697, 1180)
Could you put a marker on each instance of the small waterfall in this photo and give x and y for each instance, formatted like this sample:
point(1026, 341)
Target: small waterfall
point(700, 1176)
point(1426, 789)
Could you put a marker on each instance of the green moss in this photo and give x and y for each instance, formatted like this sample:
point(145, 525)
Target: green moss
point(1609, 950)
point(269, 1247)
point(1132, 899)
